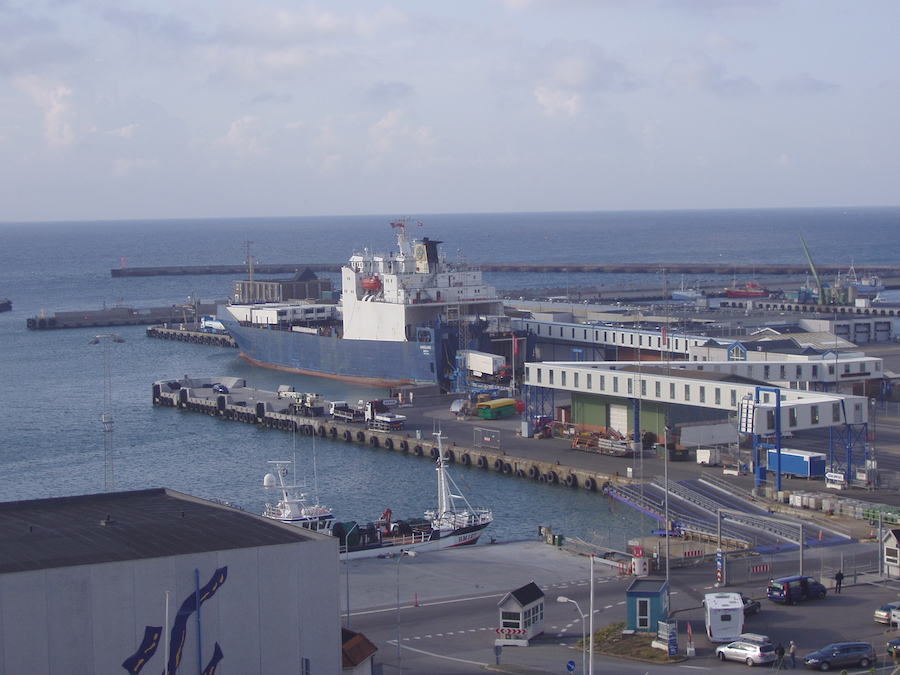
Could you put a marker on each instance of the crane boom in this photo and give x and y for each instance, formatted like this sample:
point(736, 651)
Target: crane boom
point(819, 290)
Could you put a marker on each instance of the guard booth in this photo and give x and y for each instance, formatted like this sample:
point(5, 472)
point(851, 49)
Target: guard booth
point(892, 553)
point(648, 604)
point(521, 616)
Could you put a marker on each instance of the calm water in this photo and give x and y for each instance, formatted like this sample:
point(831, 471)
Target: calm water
point(54, 382)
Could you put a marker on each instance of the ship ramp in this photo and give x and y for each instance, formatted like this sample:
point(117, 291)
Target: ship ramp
point(694, 507)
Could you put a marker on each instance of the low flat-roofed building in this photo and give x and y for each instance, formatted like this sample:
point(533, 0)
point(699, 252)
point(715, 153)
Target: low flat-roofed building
point(98, 583)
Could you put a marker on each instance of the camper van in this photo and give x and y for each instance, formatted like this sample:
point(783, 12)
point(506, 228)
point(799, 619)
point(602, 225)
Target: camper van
point(724, 616)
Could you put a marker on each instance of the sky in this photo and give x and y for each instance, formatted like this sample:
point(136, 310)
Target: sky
point(140, 109)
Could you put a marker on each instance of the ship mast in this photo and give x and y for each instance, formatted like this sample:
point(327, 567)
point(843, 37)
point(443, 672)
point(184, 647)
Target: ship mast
point(444, 497)
point(402, 241)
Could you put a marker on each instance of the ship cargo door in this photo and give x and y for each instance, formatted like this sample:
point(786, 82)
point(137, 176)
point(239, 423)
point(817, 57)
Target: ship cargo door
point(618, 418)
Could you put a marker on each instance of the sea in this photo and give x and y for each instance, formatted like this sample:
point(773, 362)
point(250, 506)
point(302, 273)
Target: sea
point(57, 384)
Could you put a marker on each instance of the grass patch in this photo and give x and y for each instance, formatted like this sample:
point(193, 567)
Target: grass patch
point(610, 641)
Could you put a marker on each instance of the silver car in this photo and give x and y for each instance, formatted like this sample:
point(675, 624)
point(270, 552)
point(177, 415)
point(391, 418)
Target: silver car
point(883, 613)
point(750, 652)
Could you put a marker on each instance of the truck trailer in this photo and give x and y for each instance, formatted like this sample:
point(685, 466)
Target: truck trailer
point(805, 463)
point(380, 418)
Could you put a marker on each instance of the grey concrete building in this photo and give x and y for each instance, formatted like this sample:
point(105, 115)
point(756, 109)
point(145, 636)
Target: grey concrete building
point(162, 580)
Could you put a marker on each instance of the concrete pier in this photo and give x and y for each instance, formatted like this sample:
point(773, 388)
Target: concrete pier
point(189, 333)
point(268, 409)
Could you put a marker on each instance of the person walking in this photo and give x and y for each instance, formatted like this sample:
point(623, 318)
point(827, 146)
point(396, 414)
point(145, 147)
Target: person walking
point(792, 650)
point(838, 581)
point(779, 654)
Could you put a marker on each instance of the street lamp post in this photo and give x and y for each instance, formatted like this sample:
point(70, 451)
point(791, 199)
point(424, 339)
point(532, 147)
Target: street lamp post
point(563, 598)
point(412, 554)
point(591, 644)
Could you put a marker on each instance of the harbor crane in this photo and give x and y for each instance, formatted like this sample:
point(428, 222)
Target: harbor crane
point(820, 287)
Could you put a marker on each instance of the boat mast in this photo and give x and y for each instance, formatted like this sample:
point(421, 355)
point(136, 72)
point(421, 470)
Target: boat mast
point(444, 496)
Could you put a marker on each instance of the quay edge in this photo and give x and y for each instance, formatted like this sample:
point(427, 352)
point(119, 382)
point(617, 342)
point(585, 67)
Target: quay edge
point(265, 408)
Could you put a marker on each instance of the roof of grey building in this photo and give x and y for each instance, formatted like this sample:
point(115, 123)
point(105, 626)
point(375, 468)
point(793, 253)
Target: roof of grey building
point(119, 526)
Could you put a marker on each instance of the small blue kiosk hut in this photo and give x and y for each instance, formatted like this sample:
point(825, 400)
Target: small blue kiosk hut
point(648, 603)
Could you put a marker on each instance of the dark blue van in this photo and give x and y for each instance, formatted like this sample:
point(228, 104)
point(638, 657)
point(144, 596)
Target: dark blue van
point(791, 590)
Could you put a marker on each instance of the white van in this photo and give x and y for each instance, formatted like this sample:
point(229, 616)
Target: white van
point(724, 616)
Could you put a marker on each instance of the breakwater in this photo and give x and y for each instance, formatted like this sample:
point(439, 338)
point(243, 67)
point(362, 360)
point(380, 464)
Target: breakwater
point(530, 267)
point(119, 316)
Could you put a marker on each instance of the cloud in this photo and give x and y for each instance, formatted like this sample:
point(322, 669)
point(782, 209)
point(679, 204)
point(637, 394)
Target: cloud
point(805, 85)
point(387, 92)
point(392, 133)
point(556, 102)
point(124, 132)
point(784, 161)
point(272, 97)
point(242, 139)
point(719, 41)
point(128, 165)
point(58, 112)
point(700, 74)
point(565, 74)
point(722, 9)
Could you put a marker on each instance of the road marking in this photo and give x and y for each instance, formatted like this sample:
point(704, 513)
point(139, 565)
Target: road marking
point(436, 603)
point(438, 656)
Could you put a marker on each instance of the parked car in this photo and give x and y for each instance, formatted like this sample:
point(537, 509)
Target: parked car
point(791, 590)
point(893, 647)
point(220, 389)
point(750, 651)
point(840, 654)
point(883, 613)
point(751, 606)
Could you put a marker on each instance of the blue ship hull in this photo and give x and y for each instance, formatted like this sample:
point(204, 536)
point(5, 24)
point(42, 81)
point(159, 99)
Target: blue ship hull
point(371, 362)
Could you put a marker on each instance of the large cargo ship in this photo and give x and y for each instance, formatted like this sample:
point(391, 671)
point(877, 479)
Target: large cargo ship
point(402, 318)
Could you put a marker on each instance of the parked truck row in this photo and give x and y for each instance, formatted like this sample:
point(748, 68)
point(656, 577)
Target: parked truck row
point(376, 415)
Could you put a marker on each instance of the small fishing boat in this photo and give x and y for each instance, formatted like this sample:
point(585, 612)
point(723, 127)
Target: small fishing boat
point(453, 523)
point(293, 507)
point(687, 293)
point(869, 285)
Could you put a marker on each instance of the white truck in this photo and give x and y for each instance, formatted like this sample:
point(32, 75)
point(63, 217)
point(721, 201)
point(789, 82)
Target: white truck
point(209, 324)
point(380, 418)
point(486, 367)
point(307, 405)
